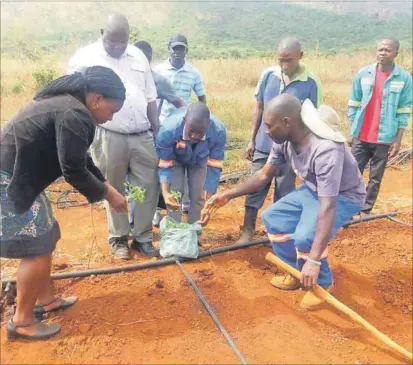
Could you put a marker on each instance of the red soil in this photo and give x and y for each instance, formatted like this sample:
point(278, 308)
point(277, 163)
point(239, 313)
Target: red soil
point(153, 316)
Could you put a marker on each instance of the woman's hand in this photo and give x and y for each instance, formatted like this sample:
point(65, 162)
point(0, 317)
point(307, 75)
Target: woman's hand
point(170, 201)
point(115, 199)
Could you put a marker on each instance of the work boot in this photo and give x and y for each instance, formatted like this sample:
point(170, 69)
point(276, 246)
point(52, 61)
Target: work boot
point(120, 247)
point(145, 248)
point(311, 301)
point(250, 220)
point(285, 282)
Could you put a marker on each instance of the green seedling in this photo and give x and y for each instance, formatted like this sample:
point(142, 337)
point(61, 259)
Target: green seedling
point(176, 225)
point(169, 224)
point(177, 196)
point(135, 193)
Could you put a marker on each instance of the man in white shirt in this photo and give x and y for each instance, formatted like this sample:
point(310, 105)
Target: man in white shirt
point(126, 144)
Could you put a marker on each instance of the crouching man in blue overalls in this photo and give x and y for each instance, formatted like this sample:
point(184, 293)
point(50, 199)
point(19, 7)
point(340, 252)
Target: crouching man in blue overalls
point(190, 140)
point(301, 224)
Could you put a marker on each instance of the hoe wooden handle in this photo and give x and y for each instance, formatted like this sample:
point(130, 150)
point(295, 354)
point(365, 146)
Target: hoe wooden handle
point(321, 293)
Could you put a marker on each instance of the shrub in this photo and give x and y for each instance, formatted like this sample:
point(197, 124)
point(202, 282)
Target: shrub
point(43, 76)
point(18, 87)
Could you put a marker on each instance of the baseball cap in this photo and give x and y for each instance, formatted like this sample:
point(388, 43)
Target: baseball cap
point(178, 40)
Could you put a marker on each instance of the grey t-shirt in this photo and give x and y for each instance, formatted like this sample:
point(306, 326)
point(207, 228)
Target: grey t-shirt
point(326, 167)
point(163, 89)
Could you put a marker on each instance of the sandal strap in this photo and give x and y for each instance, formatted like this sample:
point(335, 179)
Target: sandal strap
point(53, 301)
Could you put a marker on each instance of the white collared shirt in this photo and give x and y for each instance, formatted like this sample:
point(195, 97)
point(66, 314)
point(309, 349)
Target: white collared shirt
point(134, 70)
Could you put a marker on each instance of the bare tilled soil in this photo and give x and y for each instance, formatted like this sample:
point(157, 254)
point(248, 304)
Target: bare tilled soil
point(154, 316)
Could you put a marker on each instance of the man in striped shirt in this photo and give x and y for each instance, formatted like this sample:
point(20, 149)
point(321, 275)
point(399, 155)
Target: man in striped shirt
point(181, 74)
point(184, 78)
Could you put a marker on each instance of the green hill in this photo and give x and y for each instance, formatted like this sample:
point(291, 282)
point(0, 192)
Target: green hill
point(214, 29)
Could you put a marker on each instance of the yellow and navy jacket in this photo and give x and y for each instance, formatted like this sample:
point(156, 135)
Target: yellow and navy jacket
point(172, 148)
point(271, 83)
point(396, 103)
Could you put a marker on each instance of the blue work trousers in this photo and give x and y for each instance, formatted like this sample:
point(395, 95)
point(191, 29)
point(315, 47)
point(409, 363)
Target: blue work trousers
point(291, 226)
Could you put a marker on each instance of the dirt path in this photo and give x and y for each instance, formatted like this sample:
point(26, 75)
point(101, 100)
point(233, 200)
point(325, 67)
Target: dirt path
point(153, 316)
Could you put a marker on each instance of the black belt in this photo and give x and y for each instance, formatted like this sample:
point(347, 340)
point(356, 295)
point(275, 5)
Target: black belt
point(127, 134)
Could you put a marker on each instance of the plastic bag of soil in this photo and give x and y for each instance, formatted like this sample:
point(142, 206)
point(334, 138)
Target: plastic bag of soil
point(179, 239)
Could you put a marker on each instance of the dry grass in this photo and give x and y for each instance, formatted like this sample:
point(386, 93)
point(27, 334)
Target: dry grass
point(230, 87)
point(231, 83)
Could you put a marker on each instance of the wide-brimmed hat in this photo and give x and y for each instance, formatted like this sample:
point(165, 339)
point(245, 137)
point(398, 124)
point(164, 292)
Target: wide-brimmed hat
point(323, 122)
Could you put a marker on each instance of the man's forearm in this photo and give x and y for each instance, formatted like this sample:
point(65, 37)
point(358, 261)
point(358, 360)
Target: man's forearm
point(165, 188)
point(152, 112)
point(324, 228)
point(178, 103)
point(399, 135)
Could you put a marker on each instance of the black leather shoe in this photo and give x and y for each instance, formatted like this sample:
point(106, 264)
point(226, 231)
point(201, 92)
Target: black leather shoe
point(145, 248)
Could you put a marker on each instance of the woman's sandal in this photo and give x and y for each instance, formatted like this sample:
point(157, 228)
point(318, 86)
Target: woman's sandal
point(43, 331)
point(64, 304)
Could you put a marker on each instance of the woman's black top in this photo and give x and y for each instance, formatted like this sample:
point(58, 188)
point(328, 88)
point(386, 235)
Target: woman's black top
point(47, 139)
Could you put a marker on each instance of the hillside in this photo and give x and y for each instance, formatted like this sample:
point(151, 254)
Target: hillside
point(224, 29)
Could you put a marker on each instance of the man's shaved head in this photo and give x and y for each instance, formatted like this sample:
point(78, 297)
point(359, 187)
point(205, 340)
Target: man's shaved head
point(197, 120)
point(289, 55)
point(282, 118)
point(289, 45)
point(284, 105)
point(117, 23)
point(116, 35)
point(198, 114)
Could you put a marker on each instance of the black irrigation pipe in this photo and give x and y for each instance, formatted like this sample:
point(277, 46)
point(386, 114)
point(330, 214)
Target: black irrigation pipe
point(233, 176)
point(369, 218)
point(147, 265)
point(171, 260)
point(400, 222)
point(212, 314)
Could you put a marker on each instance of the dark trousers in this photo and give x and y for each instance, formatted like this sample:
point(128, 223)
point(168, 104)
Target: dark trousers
point(284, 182)
point(377, 154)
point(161, 202)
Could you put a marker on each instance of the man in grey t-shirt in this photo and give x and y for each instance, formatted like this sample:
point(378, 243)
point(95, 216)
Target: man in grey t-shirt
point(301, 224)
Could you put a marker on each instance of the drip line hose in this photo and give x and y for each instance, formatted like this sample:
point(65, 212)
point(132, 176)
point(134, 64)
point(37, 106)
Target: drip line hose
point(212, 314)
point(400, 222)
point(369, 218)
point(147, 265)
point(171, 260)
